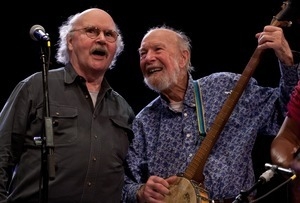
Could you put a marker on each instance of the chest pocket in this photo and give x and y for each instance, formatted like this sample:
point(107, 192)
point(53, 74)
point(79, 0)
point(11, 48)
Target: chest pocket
point(64, 122)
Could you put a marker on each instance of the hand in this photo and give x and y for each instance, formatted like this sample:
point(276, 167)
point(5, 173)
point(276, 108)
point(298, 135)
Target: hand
point(155, 189)
point(273, 37)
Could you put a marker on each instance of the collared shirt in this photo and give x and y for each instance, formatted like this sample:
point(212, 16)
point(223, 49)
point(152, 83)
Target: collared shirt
point(90, 143)
point(166, 141)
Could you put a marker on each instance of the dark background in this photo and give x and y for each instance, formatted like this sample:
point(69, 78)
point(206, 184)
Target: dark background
point(222, 34)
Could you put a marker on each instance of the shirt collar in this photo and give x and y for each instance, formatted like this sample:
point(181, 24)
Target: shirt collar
point(189, 97)
point(70, 76)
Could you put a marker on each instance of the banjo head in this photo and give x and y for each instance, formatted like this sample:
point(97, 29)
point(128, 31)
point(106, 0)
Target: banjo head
point(186, 191)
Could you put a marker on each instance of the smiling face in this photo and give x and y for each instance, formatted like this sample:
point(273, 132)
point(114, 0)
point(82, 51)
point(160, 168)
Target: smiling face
point(92, 55)
point(162, 61)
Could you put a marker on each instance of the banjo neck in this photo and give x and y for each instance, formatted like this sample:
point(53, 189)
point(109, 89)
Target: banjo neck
point(194, 170)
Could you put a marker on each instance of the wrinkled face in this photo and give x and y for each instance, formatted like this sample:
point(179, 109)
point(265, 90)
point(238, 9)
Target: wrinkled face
point(161, 59)
point(92, 42)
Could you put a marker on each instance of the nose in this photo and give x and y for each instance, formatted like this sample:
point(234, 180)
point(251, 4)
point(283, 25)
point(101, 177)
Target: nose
point(149, 56)
point(101, 36)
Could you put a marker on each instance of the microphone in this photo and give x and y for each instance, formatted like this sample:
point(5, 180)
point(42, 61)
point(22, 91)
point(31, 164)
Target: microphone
point(281, 169)
point(267, 175)
point(263, 178)
point(37, 33)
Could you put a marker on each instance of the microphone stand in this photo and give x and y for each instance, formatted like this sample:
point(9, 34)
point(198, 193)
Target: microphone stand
point(47, 144)
point(265, 177)
point(243, 196)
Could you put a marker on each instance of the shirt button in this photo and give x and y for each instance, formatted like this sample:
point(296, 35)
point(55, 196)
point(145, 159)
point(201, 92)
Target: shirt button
point(190, 155)
point(55, 123)
point(89, 183)
point(188, 135)
point(95, 136)
point(185, 114)
point(94, 158)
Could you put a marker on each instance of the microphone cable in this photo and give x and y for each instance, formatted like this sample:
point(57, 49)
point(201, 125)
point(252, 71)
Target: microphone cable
point(274, 189)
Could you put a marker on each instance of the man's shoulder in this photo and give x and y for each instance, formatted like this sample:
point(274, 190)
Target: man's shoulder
point(151, 107)
point(219, 76)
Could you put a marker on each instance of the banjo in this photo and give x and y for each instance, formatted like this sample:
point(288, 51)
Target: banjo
point(189, 187)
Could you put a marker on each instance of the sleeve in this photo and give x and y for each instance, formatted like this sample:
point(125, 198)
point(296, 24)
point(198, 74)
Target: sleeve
point(273, 105)
point(135, 159)
point(8, 122)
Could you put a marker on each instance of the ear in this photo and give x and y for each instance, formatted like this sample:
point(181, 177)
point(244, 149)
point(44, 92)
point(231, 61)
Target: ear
point(69, 42)
point(185, 55)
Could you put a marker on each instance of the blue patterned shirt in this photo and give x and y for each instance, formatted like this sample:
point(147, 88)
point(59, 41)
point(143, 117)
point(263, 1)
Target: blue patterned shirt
point(166, 141)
